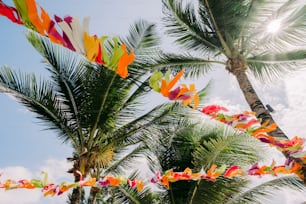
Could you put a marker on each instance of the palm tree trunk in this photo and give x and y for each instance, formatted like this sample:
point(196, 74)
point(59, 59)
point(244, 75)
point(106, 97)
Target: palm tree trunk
point(255, 103)
point(93, 195)
point(261, 112)
point(76, 196)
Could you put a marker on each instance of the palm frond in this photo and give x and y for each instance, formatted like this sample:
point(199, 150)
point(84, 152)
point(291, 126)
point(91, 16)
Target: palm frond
point(291, 15)
point(216, 192)
point(259, 12)
point(40, 98)
point(105, 92)
point(127, 195)
point(143, 40)
point(182, 23)
point(269, 66)
point(193, 66)
point(142, 35)
point(147, 125)
point(133, 104)
point(226, 27)
point(226, 147)
point(262, 192)
point(67, 73)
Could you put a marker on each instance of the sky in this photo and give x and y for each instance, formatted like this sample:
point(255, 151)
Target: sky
point(27, 149)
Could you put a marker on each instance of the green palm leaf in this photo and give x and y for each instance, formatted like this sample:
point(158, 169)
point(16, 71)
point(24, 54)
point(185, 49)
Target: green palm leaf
point(226, 147)
point(127, 195)
point(227, 26)
point(125, 158)
point(67, 72)
point(40, 98)
point(186, 146)
point(262, 192)
point(193, 66)
point(143, 39)
point(183, 24)
point(269, 66)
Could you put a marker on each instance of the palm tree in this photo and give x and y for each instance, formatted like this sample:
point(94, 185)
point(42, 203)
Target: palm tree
point(234, 34)
point(197, 146)
point(91, 107)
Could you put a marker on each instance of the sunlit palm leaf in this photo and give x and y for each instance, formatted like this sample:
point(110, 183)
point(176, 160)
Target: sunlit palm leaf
point(262, 192)
point(292, 21)
point(229, 24)
point(269, 66)
point(183, 24)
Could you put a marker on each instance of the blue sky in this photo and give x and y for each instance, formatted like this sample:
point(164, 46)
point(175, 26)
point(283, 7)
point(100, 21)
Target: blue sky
point(26, 149)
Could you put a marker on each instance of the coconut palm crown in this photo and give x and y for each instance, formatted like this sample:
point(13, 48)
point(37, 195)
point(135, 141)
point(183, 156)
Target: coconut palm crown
point(234, 33)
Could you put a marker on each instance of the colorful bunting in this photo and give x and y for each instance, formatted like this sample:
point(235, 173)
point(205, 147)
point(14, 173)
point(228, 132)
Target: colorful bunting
point(247, 122)
point(75, 36)
point(10, 12)
point(212, 174)
point(164, 85)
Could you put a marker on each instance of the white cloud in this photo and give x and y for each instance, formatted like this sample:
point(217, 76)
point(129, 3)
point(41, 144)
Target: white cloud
point(56, 170)
point(18, 196)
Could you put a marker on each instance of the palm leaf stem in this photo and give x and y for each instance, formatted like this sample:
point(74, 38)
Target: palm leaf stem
point(93, 130)
point(131, 154)
point(226, 48)
point(194, 192)
point(134, 130)
point(137, 128)
point(186, 63)
point(172, 196)
point(75, 109)
point(133, 95)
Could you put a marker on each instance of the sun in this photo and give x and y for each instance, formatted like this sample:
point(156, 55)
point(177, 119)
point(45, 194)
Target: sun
point(274, 26)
